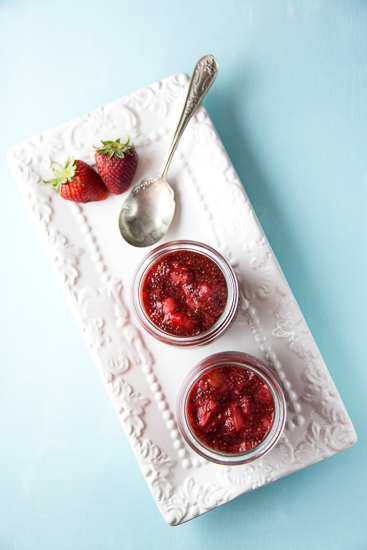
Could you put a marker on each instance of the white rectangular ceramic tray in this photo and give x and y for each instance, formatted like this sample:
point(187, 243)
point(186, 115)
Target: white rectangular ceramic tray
point(141, 375)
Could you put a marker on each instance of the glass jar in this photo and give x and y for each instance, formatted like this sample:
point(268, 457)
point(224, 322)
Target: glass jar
point(231, 408)
point(193, 286)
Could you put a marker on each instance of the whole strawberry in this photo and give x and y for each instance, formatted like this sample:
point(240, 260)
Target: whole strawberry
point(77, 181)
point(116, 163)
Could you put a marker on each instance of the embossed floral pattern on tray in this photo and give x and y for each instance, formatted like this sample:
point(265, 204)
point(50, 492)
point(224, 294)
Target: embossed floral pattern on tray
point(142, 377)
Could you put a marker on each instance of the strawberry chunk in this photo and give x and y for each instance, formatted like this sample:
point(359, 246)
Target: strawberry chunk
point(205, 290)
point(234, 419)
point(169, 306)
point(182, 321)
point(263, 394)
point(217, 380)
point(204, 412)
point(267, 423)
point(180, 274)
point(209, 319)
point(245, 405)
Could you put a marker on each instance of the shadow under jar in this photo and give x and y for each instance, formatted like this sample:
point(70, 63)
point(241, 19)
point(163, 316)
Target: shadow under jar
point(185, 293)
point(231, 408)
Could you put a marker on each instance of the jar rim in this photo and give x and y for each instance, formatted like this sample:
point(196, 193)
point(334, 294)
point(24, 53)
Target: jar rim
point(226, 318)
point(248, 362)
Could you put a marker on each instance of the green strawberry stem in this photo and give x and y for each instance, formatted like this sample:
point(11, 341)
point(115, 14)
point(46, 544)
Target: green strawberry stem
point(63, 174)
point(111, 148)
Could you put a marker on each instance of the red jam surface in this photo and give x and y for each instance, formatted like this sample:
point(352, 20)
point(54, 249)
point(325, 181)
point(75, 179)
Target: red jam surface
point(184, 293)
point(230, 409)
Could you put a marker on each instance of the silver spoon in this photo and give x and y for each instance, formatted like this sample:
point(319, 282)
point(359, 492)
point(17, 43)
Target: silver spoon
point(149, 208)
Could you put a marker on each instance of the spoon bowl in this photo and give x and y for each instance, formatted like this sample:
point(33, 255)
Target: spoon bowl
point(149, 208)
point(147, 212)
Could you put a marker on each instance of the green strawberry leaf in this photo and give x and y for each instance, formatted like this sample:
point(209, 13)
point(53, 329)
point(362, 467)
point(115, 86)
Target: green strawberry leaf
point(111, 148)
point(63, 174)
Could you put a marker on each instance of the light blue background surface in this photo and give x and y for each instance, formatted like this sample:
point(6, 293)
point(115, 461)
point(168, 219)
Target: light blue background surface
point(290, 107)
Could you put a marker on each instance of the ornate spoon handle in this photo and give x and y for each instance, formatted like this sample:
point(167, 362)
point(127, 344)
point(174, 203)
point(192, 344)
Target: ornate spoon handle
point(202, 78)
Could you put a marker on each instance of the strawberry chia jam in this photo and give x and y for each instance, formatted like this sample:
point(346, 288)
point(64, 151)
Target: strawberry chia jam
point(230, 409)
point(184, 293)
